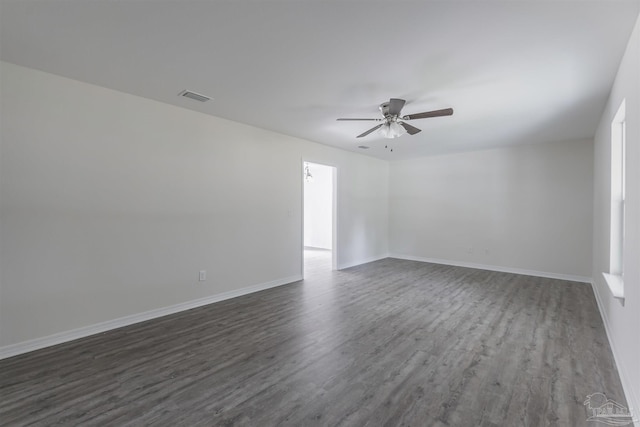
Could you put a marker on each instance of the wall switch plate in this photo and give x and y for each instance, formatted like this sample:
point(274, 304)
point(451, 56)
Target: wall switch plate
point(203, 275)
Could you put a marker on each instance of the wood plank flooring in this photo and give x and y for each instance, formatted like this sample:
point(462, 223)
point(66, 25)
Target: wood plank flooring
point(389, 343)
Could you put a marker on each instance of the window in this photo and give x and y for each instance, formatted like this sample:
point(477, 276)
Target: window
point(614, 277)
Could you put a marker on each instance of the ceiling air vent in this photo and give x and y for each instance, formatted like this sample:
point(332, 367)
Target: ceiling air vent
point(193, 95)
point(363, 147)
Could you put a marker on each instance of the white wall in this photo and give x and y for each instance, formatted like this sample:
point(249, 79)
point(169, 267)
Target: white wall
point(318, 207)
point(110, 204)
point(622, 321)
point(524, 208)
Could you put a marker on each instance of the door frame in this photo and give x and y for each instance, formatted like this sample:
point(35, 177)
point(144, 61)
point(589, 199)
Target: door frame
point(334, 213)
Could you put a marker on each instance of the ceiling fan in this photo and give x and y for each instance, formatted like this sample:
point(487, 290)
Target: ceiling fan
point(394, 124)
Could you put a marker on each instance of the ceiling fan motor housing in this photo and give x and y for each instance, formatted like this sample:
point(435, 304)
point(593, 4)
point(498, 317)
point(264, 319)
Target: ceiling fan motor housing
point(384, 109)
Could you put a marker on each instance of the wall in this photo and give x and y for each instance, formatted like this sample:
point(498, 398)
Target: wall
point(621, 320)
point(110, 204)
point(524, 208)
point(318, 207)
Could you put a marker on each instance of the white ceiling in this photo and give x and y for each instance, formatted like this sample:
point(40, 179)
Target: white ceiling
point(514, 71)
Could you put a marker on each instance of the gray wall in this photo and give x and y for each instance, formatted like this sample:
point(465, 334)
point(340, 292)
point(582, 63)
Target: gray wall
point(524, 207)
point(110, 204)
point(622, 320)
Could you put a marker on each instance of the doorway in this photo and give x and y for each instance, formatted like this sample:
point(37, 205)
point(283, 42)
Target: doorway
point(319, 229)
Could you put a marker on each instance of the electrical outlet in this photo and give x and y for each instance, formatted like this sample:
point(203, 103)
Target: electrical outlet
point(470, 249)
point(203, 275)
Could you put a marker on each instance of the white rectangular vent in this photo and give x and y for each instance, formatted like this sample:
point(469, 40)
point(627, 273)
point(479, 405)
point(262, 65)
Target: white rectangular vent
point(193, 95)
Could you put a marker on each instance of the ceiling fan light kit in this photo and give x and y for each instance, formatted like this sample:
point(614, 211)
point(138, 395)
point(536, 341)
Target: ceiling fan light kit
point(392, 130)
point(394, 124)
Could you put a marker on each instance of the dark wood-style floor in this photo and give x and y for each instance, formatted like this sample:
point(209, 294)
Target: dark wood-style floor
point(388, 343)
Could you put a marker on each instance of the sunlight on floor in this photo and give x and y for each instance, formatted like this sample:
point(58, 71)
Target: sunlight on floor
point(316, 261)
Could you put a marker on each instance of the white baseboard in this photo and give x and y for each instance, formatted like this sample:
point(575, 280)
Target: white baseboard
point(632, 399)
point(85, 331)
point(364, 261)
point(569, 277)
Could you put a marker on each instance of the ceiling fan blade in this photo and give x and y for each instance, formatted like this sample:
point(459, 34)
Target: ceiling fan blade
point(427, 114)
point(411, 130)
point(395, 106)
point(342, 120)
point(373, 129)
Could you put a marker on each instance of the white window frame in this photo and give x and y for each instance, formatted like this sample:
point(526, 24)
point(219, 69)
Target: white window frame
point(615, 276)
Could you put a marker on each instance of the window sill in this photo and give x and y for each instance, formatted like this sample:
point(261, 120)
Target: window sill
point(616, 285)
